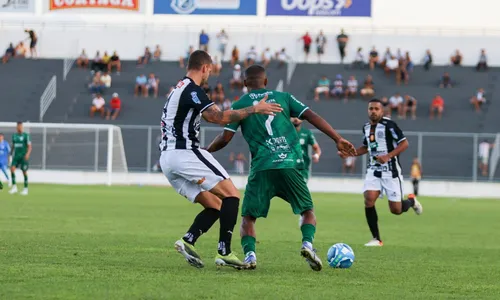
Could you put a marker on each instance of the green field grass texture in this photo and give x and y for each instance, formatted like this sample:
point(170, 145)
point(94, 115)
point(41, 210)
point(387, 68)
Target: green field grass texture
point(83, 242)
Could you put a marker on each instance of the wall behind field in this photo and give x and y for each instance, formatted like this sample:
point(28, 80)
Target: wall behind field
point(442, 26)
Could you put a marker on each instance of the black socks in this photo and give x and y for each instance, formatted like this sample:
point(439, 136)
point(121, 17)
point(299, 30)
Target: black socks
point(228, 218)
point(372, 219)
point(202, 223)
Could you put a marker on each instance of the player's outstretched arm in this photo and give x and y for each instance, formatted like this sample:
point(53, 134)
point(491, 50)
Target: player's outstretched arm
point(359, 152)
point(343, 145)
point(220, 141)
point(214, 115)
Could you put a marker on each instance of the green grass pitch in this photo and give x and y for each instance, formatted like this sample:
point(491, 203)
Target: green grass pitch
point(70, 242)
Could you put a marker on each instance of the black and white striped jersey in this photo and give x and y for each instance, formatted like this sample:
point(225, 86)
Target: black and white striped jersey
point(181, 118)
point(381, 139)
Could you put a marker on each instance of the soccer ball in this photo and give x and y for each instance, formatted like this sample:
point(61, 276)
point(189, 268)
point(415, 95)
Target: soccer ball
point(340, 256)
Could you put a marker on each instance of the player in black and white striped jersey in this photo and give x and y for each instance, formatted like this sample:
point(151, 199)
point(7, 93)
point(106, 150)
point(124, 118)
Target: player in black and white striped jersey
point(384, 141)
point(193, 172)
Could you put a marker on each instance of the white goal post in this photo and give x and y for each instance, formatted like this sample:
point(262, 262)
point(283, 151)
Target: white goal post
point(74, 147)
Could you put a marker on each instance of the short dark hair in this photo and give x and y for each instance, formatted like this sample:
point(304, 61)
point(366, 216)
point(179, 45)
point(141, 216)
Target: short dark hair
point(375, 100)
point(198, 59)
point(253, 74)
point(19, 123)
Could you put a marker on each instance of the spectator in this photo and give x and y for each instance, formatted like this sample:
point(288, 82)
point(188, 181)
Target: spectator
point(115, 105)
point(385, 104)
point(387, 56)
point(83, 60)
point(20, 50)
point(445, 81)
point(352, 88)
point(368, 89)
point(282, 57)
point(410, 105)
point(456, 59)
point(478, 100)
point(106, 80)
point(338, 86)
point(342, 40)
point(235, 56)
point(307, 40)
point(226, 105)
point(218, 93)
point(359, 59)
point(114, 61)
point(349, 165)
point(409, 63)
point(188, 54)
point(373, 60)
point(483, 61)
point(396, 104)
point(437, 105)
point(216, 65)
point(239, 162)
point(143, 60)
point(33, 40)
point(236, 81)
point(322, 88)
point(96, 86)
point(140, 84)
point(266, 57)
point(153, 84)
point(427, 60)
point(391, 65)
point(9, 52)
point(105, 60)
point(157, 53)
point(251, 57)
point(98, 105)
point(223, 41)
point(320, 45)
point(402, 72)
point(484, 156)
point(399, 55)
point(204, 40)
point(97, 62)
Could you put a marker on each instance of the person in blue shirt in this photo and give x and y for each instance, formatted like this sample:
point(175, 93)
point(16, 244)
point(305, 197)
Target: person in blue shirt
point(4, 158)
point(204, 39)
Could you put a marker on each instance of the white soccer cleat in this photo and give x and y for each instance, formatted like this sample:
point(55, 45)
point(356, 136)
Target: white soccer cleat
point(309, 254)
point(189, 253)
point(251, 260)
point(374, 243)
point(417, 207)
point(13, 190)
point(24, 192)
point(10, 183)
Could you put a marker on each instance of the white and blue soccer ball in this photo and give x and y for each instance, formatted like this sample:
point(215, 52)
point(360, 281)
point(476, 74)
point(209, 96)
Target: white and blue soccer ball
point(340, 256)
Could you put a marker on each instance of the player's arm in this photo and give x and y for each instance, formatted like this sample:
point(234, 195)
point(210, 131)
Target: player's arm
point(399, 137)
point(214, 115)
point(28, 152)
point(221, 141)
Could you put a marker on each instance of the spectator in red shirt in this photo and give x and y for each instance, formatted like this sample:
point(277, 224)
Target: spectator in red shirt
point(114, 107)
point(307, 44)
point(437, 105)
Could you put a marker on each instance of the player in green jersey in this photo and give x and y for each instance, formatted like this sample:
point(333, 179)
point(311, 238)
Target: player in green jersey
point(21, 151)
point(306, 139)
point(277, 161)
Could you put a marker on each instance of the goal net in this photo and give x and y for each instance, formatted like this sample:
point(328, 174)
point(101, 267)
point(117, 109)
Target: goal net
point(74, 147)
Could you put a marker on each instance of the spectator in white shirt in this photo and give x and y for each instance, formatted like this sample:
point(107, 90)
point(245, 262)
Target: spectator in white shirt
point(359, 60)
point(236, 81)
point(83, 60)
point(387, 56)
point(338, 86)
point(223, 39)
point(267, 55)
point(153, 84)
point(478, 100)
point(251, 57)
point(352, 88)
point(282, 57)
point(320, 44)
point(391, 65)
point(106, 80)
point(98, 105)
point(216, 65)
point(484, 156)
point(396, 103)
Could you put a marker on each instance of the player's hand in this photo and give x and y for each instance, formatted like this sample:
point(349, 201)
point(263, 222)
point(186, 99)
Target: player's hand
point(383, 159)
point(26, 157)
point(346, 148)
point(315, 158)
point(265, 108)
point(342, 155)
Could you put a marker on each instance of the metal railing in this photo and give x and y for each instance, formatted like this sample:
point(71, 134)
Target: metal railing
point(48, 96)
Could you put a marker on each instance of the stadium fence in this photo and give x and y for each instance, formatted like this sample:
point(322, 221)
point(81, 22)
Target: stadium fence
point(48, 96)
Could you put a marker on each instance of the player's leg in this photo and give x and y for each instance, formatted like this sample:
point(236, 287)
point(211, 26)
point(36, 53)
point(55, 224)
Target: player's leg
point(24, 168)
point(394, 192)
point(258, 194)
point(13, 166)
point(372, 190)
point(415, 182)
point(292, 187)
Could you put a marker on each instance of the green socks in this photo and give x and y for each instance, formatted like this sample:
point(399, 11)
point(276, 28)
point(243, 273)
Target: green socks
point(308, 231)
point(26, 181)
point(13, 176)
point(248, 244)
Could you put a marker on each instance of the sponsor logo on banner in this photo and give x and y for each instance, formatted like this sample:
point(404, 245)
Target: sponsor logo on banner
point(206, 7)
point(107, 4)
point(320, 8)
point(17, 6)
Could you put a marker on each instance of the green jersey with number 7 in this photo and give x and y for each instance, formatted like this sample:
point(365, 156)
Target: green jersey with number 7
point(273, 140)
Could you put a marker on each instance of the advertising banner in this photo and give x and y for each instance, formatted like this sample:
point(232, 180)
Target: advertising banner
point(95, 6)
point(319, 8)
point(17, 6)
point(206, 7)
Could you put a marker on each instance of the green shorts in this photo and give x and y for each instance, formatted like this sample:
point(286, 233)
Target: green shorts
point(305, 174)
point(20, 163)
point(262, 186)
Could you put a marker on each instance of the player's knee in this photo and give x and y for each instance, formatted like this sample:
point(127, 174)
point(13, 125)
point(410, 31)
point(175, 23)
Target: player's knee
point(369, 202)
point(396, 210)
point(247, 223)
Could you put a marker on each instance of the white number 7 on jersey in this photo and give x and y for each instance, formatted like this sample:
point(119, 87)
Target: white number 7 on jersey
point(268, 125)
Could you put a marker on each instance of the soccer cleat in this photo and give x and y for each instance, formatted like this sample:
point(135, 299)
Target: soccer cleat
point(374, 243)
point(13, 190)
point(24, 192)
point(311, 258)
point(230, 260)
point(251, 260)
point(189, 253)
point(1, 185)
point(417, 207)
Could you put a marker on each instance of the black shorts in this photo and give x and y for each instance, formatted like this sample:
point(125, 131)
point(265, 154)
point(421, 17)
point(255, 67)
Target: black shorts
point(321, 50)
point(33, 44)
point(307, 48)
